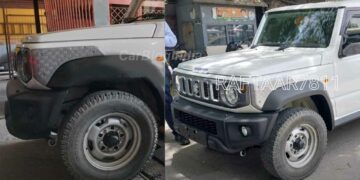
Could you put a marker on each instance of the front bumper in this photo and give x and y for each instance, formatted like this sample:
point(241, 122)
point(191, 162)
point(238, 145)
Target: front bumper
point(31, 114)
point(220, 130)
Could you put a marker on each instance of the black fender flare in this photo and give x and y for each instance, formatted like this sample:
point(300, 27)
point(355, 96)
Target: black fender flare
point(302, 89)
point(83, 71)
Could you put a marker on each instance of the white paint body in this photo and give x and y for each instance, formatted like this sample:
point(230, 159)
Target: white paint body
point(265, 63)
point(141, 38)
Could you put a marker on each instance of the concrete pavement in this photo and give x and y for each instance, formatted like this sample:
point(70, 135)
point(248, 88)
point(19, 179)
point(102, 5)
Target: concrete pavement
point(341, 161)
point(34, 159)
point(29, 159)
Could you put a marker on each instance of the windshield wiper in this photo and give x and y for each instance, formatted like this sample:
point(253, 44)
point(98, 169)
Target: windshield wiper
point(146, 16)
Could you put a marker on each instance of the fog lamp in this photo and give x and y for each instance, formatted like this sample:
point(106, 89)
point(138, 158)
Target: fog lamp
point(245, 131)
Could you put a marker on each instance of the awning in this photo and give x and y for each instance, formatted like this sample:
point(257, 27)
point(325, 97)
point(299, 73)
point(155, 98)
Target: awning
point(257, 3)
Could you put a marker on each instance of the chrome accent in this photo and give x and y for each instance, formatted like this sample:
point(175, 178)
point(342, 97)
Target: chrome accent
point(204, 96)
point(212, 93)
point(188, 86)
point(205, 87)
point(181, 84)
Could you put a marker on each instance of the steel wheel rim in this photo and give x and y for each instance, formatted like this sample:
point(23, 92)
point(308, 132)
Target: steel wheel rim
point(301, 145)
point(112, 141)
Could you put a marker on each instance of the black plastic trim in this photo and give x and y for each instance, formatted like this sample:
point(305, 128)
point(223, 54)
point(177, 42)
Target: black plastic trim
point(284, 95)
point(228, 138)
point(30, 114)
point(112, 69)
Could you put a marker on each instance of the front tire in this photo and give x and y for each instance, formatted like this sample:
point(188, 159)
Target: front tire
point(111, 135)
point(296, 145)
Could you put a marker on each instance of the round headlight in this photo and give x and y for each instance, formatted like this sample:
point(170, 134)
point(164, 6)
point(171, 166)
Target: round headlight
point(232, 96)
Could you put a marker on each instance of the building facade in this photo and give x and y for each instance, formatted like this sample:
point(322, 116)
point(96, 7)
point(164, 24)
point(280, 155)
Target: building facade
point(70, 14)
point(209, 25)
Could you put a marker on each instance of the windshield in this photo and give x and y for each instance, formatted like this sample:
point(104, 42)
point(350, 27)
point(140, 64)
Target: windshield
point(300, 28)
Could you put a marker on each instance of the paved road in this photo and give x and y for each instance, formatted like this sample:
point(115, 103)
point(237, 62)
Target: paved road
point(29, 159)
point(341, 161)
point(34, 159)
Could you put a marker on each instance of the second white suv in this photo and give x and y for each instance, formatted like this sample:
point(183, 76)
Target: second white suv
point(299, 79)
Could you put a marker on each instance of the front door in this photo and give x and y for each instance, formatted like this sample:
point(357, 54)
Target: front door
point(348, 67)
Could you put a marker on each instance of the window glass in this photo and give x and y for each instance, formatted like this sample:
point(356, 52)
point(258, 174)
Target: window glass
point(216, 35)
point(354, 25)
point(240, 33)
point(299, 28)
point(352, 42)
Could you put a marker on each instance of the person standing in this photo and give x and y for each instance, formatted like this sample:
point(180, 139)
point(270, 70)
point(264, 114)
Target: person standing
point(170, 43)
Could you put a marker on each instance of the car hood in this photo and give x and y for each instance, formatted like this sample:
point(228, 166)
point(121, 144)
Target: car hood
point(255, 62)
point(144, 29)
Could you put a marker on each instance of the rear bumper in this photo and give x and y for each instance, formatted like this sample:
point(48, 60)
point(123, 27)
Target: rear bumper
point(221, 130)
point(29, 113)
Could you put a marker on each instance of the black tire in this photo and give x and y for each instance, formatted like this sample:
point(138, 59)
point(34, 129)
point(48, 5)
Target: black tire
point(90, 109)
point(273, 153)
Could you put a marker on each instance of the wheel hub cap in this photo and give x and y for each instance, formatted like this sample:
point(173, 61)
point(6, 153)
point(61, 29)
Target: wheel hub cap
point(112, 141)
point(301, 145)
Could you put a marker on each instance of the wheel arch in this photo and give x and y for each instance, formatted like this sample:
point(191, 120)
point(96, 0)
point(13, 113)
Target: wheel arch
point(282, 96)
point(137, 75)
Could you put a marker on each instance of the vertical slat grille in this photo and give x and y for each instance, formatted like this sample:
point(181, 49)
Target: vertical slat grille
point(214, 92)
point(182, 85)
point(196, 88)
point(189, 87)
point(204, 89)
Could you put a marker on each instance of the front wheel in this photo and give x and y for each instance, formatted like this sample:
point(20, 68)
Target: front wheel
point(110, 136)
point(296, 144)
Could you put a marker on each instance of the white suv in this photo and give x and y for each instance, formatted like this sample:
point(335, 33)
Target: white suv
point(299, 78)
point(100, 89)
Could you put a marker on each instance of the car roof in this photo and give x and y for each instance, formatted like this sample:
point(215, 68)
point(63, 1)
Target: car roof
point(331, 4)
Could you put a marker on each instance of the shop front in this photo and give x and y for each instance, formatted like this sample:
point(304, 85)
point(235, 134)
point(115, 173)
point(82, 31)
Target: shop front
point(208, 26)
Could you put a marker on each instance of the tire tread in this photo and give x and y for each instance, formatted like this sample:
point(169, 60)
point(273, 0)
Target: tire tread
point(86, 105)
point(283, 122)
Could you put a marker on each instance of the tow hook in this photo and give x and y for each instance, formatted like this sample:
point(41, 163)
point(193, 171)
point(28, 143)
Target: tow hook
point(243, 153)
point(52, 141)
